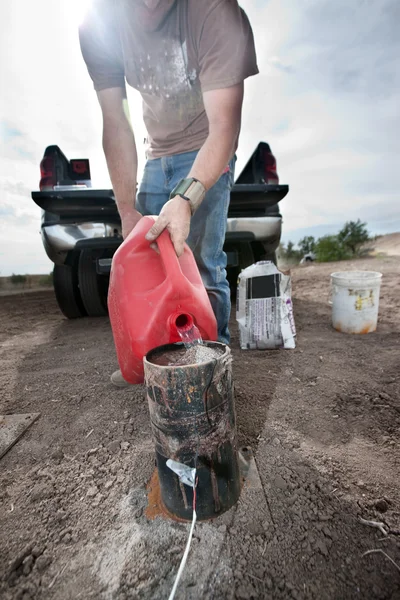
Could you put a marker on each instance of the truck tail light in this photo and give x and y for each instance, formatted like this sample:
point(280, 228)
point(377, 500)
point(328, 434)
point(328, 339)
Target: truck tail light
point(270, 172)
point(48, 173)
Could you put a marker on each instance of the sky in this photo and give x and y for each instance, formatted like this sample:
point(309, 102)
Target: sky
point(327, 101)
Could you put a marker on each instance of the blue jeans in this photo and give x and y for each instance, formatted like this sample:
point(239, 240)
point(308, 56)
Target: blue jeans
point(207, 229)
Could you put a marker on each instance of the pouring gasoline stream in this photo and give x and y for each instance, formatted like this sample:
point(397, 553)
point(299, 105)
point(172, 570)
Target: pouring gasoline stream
point(193, 351)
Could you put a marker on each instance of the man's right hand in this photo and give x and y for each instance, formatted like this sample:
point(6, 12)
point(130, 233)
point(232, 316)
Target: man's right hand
point(129, 221)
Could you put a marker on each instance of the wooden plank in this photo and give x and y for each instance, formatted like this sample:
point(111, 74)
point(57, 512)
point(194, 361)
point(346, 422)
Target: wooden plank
point(12, 427)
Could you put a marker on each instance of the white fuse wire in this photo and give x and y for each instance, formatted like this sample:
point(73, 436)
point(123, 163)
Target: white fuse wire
point(184, 558)
point(187, 475)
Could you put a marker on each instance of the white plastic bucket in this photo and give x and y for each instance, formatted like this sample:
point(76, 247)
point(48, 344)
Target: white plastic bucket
point(355, 301)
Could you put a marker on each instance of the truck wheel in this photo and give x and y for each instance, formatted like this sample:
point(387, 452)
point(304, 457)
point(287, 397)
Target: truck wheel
point(246, 255)
point(90, 284)
point(65, 279)
point(245, 259)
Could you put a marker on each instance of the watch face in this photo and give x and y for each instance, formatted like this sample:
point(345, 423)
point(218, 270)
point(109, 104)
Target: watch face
point(183, 186)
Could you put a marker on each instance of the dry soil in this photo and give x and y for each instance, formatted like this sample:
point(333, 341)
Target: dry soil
point(322, 422)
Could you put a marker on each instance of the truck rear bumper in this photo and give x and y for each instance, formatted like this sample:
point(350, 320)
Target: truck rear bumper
point(65, 237)
point(60, 238)
point(262, 229)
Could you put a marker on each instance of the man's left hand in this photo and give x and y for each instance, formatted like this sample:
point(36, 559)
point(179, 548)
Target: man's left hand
point(175, 217)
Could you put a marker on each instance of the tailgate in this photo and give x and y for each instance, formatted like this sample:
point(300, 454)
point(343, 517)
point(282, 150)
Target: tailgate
point(247, 200)
point(255, 199)
point(80, 204)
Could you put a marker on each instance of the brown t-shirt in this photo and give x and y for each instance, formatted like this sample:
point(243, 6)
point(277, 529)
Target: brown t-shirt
point(201, 45)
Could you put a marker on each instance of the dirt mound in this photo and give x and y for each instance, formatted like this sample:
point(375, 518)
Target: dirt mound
point(386, 244)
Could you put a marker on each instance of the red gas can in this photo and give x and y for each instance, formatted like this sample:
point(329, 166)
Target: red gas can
point(151, 295)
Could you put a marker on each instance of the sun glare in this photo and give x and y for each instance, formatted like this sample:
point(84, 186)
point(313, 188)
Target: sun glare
point(78, 9)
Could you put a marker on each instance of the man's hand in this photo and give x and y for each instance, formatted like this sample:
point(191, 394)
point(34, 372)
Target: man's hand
point(175, 217)
point(129, 221)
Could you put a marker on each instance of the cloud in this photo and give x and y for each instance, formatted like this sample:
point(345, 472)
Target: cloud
point(13, 142)
point(7, 132)
point(326, 100)
point(15, 187)
point(331, 118)
point(278, 64)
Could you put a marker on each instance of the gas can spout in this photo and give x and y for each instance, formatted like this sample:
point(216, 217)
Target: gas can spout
point(187, 330)
point(184, 322)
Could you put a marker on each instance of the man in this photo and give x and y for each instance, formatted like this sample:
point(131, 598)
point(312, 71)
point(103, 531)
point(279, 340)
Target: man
point(188, 59)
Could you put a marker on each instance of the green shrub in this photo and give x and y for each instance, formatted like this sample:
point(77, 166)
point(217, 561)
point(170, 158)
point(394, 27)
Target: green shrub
point(46, 280)
point(330, 248)
point(353, 235)
point(289, 253)
point(18, 279)
point(307, 245)
point(348, 243)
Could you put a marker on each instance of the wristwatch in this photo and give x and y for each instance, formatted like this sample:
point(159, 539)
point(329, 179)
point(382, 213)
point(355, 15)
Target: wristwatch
point(190, 189)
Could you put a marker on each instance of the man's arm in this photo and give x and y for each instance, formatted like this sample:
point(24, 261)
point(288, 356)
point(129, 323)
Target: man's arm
point(223, 108)
point(224, 113)
point(121, 156)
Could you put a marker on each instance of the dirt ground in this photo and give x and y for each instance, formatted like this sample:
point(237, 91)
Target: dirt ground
point(323, 423)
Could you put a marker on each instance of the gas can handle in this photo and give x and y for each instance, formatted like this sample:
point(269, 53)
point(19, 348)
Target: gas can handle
point(168, 255)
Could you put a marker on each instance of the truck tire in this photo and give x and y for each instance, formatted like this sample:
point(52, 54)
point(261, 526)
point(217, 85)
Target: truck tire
point(92, 291)
point(245, 259)
point(246, 255)
point(65, 280)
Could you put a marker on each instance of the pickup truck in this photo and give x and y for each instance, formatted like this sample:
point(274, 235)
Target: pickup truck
point(81, 228)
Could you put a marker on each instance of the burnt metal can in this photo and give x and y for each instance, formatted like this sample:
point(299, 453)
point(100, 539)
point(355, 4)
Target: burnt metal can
point(193, 422)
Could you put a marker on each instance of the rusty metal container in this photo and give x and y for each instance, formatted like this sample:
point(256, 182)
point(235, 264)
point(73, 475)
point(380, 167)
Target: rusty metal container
point(193, 422)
